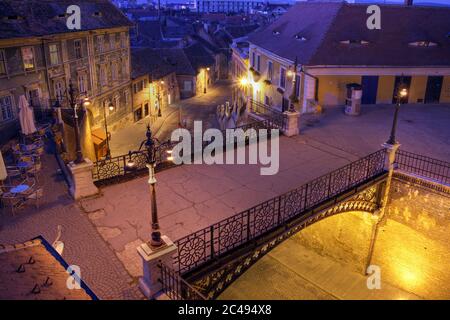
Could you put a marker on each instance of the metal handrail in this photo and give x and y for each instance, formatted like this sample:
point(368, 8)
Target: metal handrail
point(423, 166)
point(175, 287)
point(207, 244)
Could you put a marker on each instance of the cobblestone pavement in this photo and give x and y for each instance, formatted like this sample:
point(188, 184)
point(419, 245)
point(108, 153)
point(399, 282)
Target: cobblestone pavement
point(83, 246)
point(201, 107)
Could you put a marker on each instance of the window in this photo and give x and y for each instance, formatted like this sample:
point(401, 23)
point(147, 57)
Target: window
point(100, 44)
point(28, 58)
point(54, 58)
point(187, 86)
point(2, 62)
point(114, 71)
point(269, 70)
point(112, 41)
point(117, 102)
point(122, 40)
point(6, 108)
point(282, 77)
point(77, 47)
point(258, 63)
point(103, 80)
point(127, 98)
point(253, 59)
point(59, 90)
point(82, 85)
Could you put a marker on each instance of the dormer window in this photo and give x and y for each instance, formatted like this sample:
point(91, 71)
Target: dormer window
point(13, 18)
point(423, 44)
point(276, 32)
point(299, 37)
point(97, 14)
point(355, 42)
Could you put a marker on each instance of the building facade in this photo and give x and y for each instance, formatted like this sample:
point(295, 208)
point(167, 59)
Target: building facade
point(228, 6)
point(40, 62)
point(291, 62)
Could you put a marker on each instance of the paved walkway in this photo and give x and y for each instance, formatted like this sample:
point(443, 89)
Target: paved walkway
point(293, 272)
point(192, 197)
point(83, 246)
point(201, 107)
point(422, 128)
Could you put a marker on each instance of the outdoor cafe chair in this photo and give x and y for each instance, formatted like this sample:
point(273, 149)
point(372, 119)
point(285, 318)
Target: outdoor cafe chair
point(17, 196)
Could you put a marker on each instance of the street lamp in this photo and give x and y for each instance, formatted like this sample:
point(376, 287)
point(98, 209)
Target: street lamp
point(75, 100)
point(150, 155)
point(402, 93)
point(205, 71)
point(111, 108)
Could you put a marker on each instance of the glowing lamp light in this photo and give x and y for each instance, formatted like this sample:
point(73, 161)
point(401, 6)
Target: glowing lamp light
point(131, 164)
point(86, 102)
point(111, 107)
point(290, 73)
point(208, 69)
point(403, 93)
point(243, 82)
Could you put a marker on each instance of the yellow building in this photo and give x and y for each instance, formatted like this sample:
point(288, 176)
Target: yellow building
point(309, 55)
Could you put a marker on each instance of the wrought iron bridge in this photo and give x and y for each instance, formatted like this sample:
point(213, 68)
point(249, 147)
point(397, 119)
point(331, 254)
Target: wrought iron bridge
point(208, 260)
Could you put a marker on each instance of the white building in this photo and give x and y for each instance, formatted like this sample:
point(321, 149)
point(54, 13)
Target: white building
point(228, 6)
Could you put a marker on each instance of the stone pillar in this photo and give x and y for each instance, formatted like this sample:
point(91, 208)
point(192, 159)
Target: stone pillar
point(151, 256)
point(82, 183)
point(292, 123)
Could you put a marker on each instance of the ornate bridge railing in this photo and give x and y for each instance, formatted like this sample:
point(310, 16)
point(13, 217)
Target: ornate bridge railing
point(423, 166)
point(208, 244)
point(265, 111)
point(175, 287)
point(114, 169)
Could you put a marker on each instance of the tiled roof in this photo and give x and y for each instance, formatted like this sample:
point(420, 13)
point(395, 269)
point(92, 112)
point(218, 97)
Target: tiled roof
point(44, 17)
point(149, 61)
point(35, 271)
point(241, 31)
point(321, 27)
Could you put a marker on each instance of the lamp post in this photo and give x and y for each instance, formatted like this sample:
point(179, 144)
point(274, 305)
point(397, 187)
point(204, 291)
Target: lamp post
point(158, 97)
point(205, 81)
point(74, 101)
point(150, 155)
point(108, 150)
point(402, 93)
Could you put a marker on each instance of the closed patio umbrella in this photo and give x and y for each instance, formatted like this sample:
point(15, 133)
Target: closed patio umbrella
point(3, 173)
point(26, 116)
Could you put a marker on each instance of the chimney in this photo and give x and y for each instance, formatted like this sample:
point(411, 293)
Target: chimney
point(408, 2)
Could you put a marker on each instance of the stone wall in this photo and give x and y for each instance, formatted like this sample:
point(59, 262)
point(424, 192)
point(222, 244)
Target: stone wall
point(412, 245)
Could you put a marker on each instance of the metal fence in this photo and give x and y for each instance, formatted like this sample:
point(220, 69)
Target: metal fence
point(423, 166)
point(175, 287)
point(207, 244)
point(263, 110)
point(114, 169)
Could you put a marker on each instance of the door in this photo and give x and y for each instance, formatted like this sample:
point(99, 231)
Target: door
point(34, 98)
point(146, 110)
point(369, 89)
point(401, 82)
point(434, 87)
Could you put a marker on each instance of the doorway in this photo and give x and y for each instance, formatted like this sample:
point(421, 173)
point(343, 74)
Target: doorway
point(401, 82)
point(369, 89)
point(434, 87)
